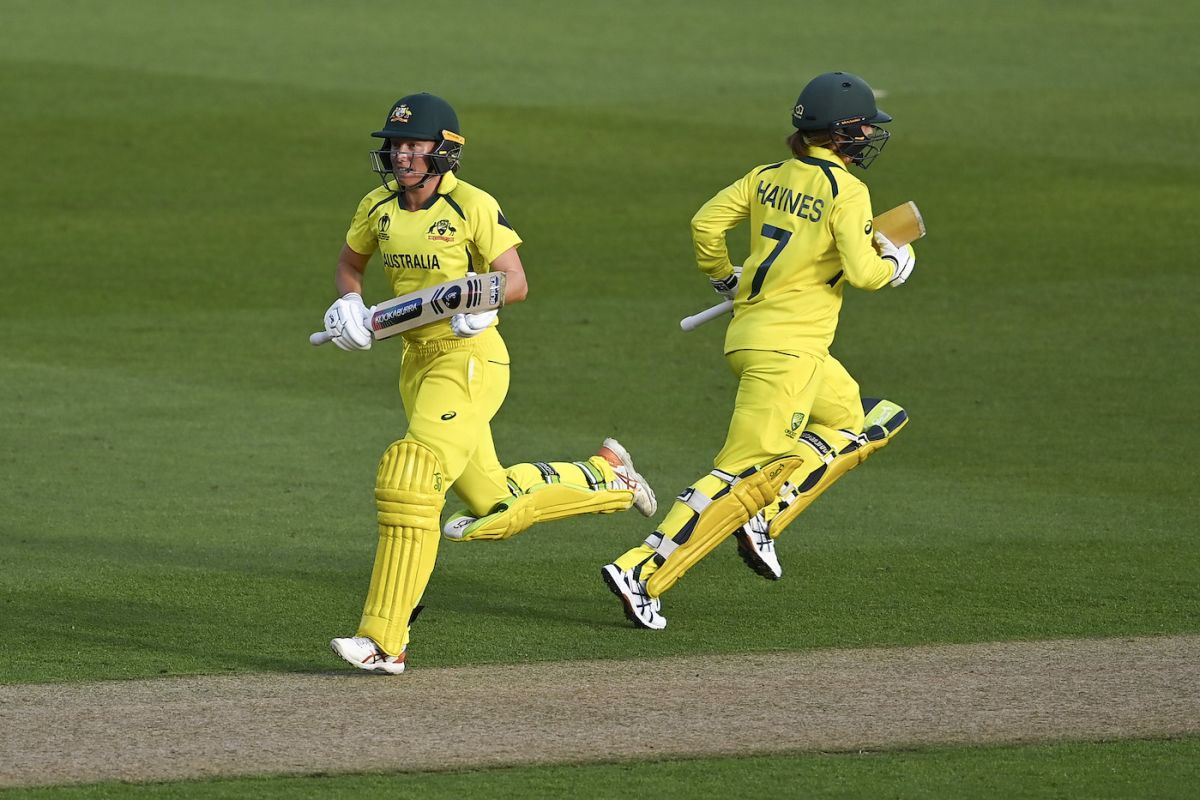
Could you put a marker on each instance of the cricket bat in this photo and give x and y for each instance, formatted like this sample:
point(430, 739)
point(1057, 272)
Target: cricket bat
point(468, 295)
point(902, 225)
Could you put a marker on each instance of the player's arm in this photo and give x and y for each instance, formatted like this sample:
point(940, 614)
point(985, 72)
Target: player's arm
point(715, 218)
point(347, 321)
point(351, 266)
point(497, 242)
point(515, 285)
point(515, 289)
point(853, 231)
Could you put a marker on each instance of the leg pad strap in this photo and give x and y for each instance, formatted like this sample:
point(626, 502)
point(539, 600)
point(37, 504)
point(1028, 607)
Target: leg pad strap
point(884, 419)
point(730, 508)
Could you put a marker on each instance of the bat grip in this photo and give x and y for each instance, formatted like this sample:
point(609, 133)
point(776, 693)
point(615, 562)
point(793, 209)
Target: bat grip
point(319, 338)
point(707, 315)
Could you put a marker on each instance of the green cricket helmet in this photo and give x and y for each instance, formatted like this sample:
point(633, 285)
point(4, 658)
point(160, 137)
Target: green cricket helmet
point(426, 117)
point(840, 104)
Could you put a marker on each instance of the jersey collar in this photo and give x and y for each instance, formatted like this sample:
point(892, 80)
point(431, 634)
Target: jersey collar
point(825, 154)
point(448, 183)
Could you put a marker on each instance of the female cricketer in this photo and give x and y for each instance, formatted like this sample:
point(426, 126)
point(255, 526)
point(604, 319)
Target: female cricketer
point(797, 411)
point(430, 227)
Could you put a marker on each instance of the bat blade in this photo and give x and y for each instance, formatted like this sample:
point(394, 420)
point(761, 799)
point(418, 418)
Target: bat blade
point(901, 225)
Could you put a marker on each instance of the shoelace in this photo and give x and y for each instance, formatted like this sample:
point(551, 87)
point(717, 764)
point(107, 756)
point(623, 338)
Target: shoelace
point(622, 476)
point(759, 529)
point(644, 600)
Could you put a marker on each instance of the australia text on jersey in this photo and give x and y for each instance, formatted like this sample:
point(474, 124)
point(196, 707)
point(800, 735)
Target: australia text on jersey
point(411, 261)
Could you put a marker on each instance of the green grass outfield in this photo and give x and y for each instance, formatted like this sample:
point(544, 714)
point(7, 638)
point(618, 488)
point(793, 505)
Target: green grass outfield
point(187, 484)
point(1104, 771)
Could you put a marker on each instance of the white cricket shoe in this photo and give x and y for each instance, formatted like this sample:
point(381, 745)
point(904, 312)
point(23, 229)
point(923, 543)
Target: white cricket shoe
point(363, 653)
point(641, 609)
point(757, 548)
point(628, 478)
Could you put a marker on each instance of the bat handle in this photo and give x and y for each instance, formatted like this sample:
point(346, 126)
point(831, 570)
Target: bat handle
point(319, 338)
point(707, 315)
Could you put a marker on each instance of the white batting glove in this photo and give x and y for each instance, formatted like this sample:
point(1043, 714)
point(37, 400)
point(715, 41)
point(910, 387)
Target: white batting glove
point(348, 321)
point(727, 287)
point(903, 258)
point(467, 325)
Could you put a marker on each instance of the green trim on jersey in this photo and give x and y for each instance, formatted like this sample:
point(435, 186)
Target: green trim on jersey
point(827, 168)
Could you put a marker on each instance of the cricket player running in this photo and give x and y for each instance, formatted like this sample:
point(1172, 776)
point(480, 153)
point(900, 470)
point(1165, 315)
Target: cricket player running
point(431, 227)
point(798, 422)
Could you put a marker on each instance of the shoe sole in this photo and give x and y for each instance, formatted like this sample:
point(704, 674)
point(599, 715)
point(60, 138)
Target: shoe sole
point(750, 556)
point(614, 586)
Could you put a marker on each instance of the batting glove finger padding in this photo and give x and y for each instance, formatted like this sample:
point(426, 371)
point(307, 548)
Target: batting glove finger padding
point(468, 325)
point(903, 258)
point(347, 321)
point(727, 286)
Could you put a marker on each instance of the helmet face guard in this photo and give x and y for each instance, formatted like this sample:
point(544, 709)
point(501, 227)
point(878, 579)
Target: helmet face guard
point(444, 158)
point(861, 147)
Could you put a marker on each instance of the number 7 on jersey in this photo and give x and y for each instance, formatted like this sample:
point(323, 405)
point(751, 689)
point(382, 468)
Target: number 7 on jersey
point(902, 224)
point(781, 237)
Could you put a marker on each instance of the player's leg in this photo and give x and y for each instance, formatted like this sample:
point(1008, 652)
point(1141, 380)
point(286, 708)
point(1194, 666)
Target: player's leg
point(835, 420)
point(883, 421)
point(845, 430)
point(409, 493)
point(483, 484)
point(775, 393)
point(544, 491)
point(501, 503)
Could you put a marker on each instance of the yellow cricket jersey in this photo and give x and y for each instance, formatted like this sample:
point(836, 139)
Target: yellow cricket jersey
point(460, 230)
point(810, 233)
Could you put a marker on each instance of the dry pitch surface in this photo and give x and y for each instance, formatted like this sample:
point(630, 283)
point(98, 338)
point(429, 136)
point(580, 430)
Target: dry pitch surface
point(428, 719)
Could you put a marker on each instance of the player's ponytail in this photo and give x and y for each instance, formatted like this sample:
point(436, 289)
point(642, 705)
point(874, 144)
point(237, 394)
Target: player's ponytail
point(800, 142)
